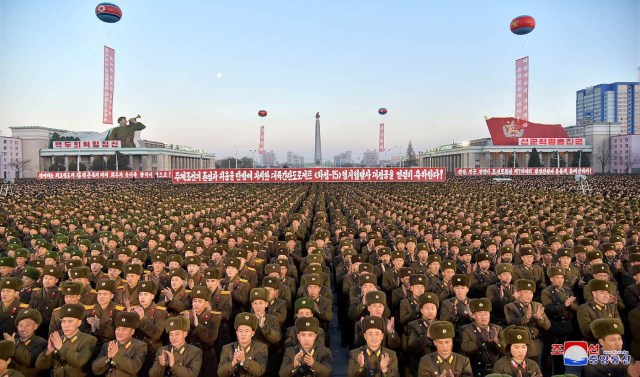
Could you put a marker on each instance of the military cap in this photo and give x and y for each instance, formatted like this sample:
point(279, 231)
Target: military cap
point(127, 319)
point(178, 258)
point(367, 278)
point(429, 298)
point(634, 270)
point(452, 243)
point(634, 257)
point(400, 240)
point(358, 258)
point(418, 279)
point(179, 272)
point(565, 252)
point(31, 272)
point(84, 242)
point(314, 269)
point(517, 335)
point(483, 257)
point(259, 294)
point(95, 246)
point(503, 267)
point(593, 255)
point(307, 324)
point(11, 283)
point(98, 259)
point(411, 239)
point(554, 239)
point(422, 247)
point(270, 282)
point(448, 264)
point(459, 279)
point(304, 303)
point(600, 285)
point(526, 250)
point(365, 267)
point(397, 254)
point(73, 311)
point(212, 273)
point(480, 305)
point(633, 249)
point(405, 272)
point(62, 239)
point(271, 268)
point(149, 287)
point(608, 247)
point(545, 250)
point(586, 241)
point(526, 285)
point(241, 253)
point(177, 323)
point(70, 288)
point(79, 273)
point(441, 330)
point(506, 250)
point(38, 263)
point(159, 257)
point(465, 250)
point(602, 327)
point(372, 322)
point(7, 348)
point(375, 297)
point(192, 260)
point(232, 262)
point(29, 313)
point(579, 249)
point(246, 319)
point(52, 271)
point(434, 258)
point(384, 251)
point(71, 264)
point(554, 270)
point(106, 285)
point(600, 268)
point(7, 262)
point(140, 255)
point(313, 279)
point(115, 264)
point(22, 253)
point(202, 292)
point(124, 250)
point(132, 268)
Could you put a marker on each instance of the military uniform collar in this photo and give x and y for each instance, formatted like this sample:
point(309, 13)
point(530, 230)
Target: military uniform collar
point(372, 352)
point(441, 359)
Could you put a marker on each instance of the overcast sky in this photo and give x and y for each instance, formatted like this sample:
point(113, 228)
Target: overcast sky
point(199, 71)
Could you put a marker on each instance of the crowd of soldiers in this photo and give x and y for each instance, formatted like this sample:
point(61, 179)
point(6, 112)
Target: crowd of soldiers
point(464, 278)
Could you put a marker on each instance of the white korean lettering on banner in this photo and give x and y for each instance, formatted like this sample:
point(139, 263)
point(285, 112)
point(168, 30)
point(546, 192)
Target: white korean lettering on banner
point(550, 141)
point(523, 171)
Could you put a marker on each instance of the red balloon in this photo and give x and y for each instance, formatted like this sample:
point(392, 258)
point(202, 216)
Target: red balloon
point(382, 111)
point(262, 113)
point(522, 25)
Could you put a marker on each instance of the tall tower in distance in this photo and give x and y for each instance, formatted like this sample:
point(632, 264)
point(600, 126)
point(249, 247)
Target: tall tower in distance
point(317, 159)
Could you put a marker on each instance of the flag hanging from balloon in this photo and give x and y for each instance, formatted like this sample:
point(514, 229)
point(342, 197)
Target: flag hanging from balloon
point(109, 75)
point(261, 149)
point(522, 88)
point(381, 138)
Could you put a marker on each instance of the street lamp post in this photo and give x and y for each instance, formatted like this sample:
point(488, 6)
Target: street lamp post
point(237, 147)
point(253, 158)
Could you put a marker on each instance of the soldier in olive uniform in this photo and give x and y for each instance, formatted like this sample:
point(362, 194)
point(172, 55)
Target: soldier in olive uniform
point(268, 330)
point(528, 313)
point(418, 343)
point(560, 306)
point(126, 132)
point(178, 359)
point(204, 329)
point(501, 293)
point(303, 308)
point(528, 270)
point(100, 317)
point(152, 319)
point(28, 345)
point(176, 298)
point(609, 332)
point(124, 356)
point(277, 306)
point(602, 271)
point(443, 360)
point(482, 277)
point(7, 350)
point(373, 359)
point(30, 275)
point(71, 295)
point(130, 293)
point(599, 307)
point(480, 339)
point(516, 363)
point(456, 309)
point(307, 358)
point(81, 275)
point(68, 351)
point(246, 357)
point(220, 302)
point(11, 305)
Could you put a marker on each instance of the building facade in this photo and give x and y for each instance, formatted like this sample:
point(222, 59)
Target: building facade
point(615, 102)
point(625, 154)
point(343, 159)
point(150, 156)
point(269, 159)
point(11, 160)
point(294, 160)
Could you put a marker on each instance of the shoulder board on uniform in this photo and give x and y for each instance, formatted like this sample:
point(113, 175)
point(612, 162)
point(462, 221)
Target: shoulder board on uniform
point(161, 308)
point(216, 312)
point(89, 307)
point(145, 272)
point(187, 291)
point(244, 280)
point(59, 289)
point(120, 307)
point(23, 305)
point(225, 292)
point(259, 260)
point(58, 308)
point(250, 268)
point(120, 287)
point(94, 291)
point(36, 289)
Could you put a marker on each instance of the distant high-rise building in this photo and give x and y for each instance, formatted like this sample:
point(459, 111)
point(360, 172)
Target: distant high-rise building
point(269, 159)
point(370, 158)
point(318, 153)
point(294, 160)
point(618, 102)
point(343, 159)
point(12, 155)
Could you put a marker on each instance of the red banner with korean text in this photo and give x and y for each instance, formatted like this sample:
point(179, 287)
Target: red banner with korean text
point(522, 89)
point(309, 175)
point(545, 141)
point(474, 172)
point(107, 174)
point(507, 131)
point(109, 78)
point(381, 138)
point(94, 144)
